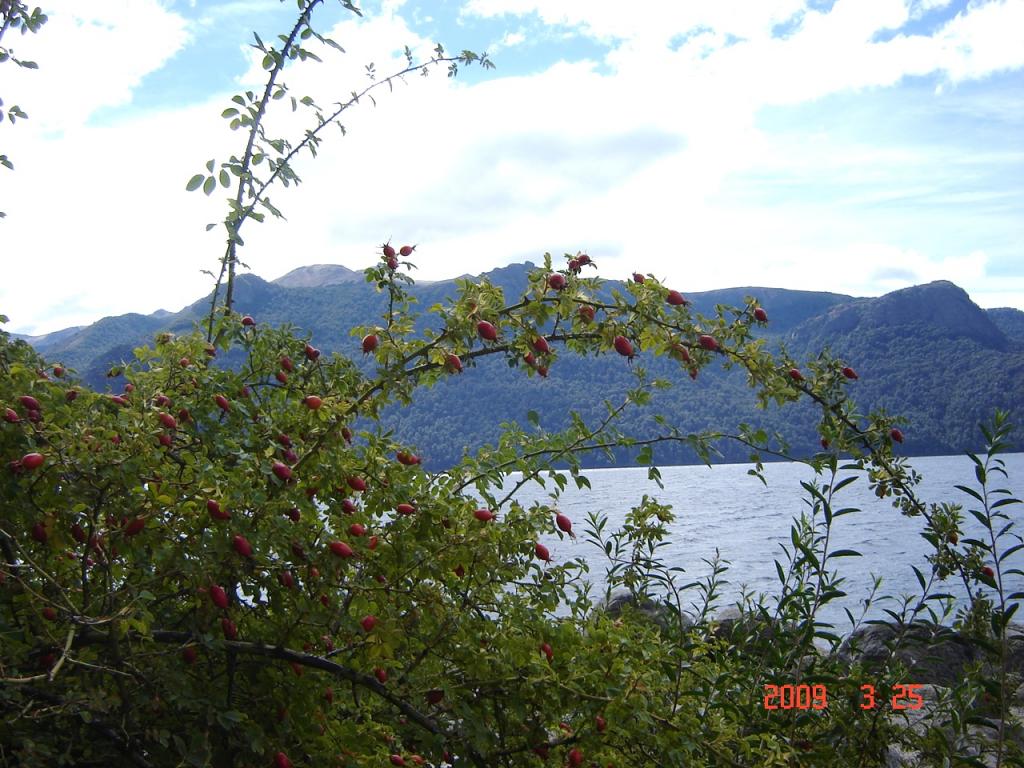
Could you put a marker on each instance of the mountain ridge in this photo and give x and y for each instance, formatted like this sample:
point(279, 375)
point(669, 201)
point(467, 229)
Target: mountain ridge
point(927, 352)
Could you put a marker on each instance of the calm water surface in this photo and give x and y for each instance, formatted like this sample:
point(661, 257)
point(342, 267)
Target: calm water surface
point(723, 507)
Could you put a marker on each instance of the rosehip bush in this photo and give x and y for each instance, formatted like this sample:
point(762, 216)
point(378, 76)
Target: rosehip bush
point(235, 565)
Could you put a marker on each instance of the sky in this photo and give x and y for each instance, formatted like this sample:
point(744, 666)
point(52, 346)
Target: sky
point(854, 146)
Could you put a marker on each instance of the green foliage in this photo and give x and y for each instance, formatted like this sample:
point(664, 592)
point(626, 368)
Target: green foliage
point(239, 565)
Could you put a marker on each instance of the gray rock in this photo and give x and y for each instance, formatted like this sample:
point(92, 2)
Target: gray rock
point(661, 614)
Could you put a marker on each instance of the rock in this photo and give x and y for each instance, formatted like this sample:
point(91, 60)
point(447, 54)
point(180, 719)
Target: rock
point(661, 614)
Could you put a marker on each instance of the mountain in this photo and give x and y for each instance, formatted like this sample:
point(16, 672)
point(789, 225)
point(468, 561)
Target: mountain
point(1010, 321)
point(318, 275)
point(926, 352)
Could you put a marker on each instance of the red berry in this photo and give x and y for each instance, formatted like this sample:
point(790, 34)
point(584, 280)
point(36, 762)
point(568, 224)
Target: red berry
point(58, 371)
point(849, 373)
point(953, 538)
point(32, 460)
point(282, 377)
point(248, 322)
point(39, 533)
point(312, 402)
point(30, 403)
point(484, 515)
point(348, 506)
point(406, 250)
point(78, 533)
point(487, 331)
point(370, 342)
point(583, 259)
point(284, 440)
point(50, 613)
point(341, 549)
point(397, 760)
point(600, 723)
point(405, 509)
point(71, 395)
point(346, 434)
point(381, 674)
point(392, 263)
point(286, 364)
point(135, 526)
point(407, 459)
point(638, 278)
point(287, 579)
point(167, 420)
point(389, 252)
point(312, 353)
point(556, 281)
point(281, 471)
point(357, 529)
point(356, 483)
point(545, 648)
point(708, 342)
point(760, 315)
point(218, 596)
point(189, 654)
point(680, 352)
point(574, 266)
point(371, 543)
point(214, 508)
point(623, 347)
point(896, 435)
point(241, 545)
point(459, 571)
point(122, 401)
point(11, 416)
point(453, 363)
point(540, 344)
point(795, 375)
point(281, 761)
point(368, 623)
point(575, 758)
point(564, 524)
point(229, 629)
point(987, 571)
point(542, 552)
point(676, 299)
point(586, 313)
point(223, 403)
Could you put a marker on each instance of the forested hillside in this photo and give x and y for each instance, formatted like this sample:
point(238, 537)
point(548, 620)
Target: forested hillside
point(927, 353)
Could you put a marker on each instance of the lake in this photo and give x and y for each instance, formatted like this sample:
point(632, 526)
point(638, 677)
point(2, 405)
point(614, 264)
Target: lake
point(725, 508)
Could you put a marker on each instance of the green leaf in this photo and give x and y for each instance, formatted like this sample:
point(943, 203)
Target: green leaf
point(209, 185)
point(844, 553)
point(194, 183)
point(225, 178)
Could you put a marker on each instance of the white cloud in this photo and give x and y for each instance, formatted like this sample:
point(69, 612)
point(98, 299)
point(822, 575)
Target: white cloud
point(643, 162)
point(91, 55)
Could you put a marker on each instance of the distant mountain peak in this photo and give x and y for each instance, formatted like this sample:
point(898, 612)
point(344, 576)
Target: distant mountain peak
point(317, 275)
point(941, 304)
